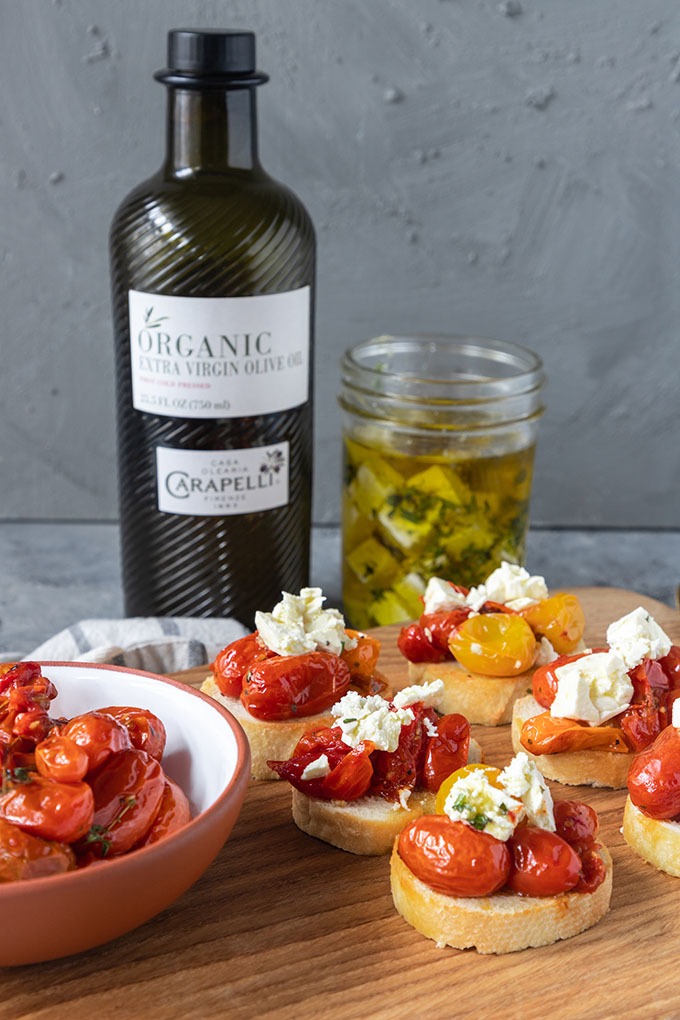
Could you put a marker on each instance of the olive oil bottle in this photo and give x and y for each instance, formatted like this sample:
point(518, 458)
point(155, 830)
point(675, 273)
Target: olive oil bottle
point(212, 265)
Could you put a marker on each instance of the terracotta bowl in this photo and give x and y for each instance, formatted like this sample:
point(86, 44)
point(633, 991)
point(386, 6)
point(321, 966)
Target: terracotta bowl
point(206, 753)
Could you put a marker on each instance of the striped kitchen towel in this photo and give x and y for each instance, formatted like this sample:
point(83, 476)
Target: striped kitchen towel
point(162, 644)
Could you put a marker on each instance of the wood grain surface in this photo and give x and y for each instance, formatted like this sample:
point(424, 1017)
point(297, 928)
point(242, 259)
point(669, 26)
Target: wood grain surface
point(284, 926)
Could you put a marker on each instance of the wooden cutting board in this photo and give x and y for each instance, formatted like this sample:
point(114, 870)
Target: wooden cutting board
point(283, 926)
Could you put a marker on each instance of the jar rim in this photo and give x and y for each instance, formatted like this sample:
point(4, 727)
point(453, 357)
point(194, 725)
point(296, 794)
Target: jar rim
point(450, 367)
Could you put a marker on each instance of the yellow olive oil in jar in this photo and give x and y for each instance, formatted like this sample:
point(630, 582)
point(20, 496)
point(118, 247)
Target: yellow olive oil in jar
point(438, 441)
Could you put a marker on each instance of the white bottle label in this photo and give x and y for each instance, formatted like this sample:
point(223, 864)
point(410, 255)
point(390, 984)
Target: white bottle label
point(222, 357)
point(216, 483)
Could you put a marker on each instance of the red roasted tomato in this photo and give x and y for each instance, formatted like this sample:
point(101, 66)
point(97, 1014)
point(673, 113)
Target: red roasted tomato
point(59, 757)
point(577, 823)
point(234, 661)
point(293, 686)
point(453, 858)
point(173, 812)
point(543, 864)
point(654, 776)
point(25, 856)
point(98, 734)
point(446, 752)
point(127, 795)
point(49, 809)
point(350, 772)
point(415, 646)
point(147, 732)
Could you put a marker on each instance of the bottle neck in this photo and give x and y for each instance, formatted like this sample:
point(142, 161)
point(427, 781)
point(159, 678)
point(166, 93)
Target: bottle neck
point(211, 131)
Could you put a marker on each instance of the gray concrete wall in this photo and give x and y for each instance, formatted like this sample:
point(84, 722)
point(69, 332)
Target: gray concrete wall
point(505, 168)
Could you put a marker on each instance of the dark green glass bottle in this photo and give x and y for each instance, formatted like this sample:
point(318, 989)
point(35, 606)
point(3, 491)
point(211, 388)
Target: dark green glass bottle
point(212, 265)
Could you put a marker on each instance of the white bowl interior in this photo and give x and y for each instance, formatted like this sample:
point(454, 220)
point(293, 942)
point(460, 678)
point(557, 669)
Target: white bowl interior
point(201, 750)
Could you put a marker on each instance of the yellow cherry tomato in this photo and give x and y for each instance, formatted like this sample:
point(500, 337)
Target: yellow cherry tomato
point(560, 619)
point(495, 644)
point(492, 775)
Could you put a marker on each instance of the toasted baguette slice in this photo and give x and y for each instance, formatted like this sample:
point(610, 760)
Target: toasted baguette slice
point(573, 768)
point(365, 826)
point(502, 923)
point(657, 842)
point(483, 700)
point(269, 741)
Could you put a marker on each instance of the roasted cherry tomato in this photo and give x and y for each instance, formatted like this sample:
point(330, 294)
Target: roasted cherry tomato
point(416, 647)
point(654, 776)
point(98, 734)
point(641, 725)
point(362, 660)
point(25, 856)
point(495, 644)
point(593, 871)
point(59, 757)
point(440, 627)
point(453, 858)
point(547, 734)
point(234, 661)
point(350, 772)
point(293, 686)
point(127, 794)
point(174, 811)
point(398, 770)
point(49, 809)
point(559, 618)
point(32, 725)
point(446, 752)
point(351, 778)
point(147, 732)
point(542, 863)
point(577, 823)
point(671, 666)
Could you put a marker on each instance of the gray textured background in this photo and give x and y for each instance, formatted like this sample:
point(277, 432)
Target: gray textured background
point(504, 168)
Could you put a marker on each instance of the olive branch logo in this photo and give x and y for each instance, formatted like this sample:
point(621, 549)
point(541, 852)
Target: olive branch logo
point(273, 462)
point(151, 321)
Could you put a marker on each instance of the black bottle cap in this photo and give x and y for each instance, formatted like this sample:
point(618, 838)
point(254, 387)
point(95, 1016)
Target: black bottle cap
point(201, 57)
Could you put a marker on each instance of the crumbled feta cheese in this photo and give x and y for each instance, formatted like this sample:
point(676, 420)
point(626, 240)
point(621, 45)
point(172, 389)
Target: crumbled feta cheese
point(404, 795)
point(317, 769)
point(518, 604)
point(476, 598)
point(430, 727)
point(545, 653)
point(440, 596)
point(523, 780)
point(593, 688)
point(428, 693)
point(476, 801)
point(637, 636)
point(370, 718)
point(675, 718)
point(510, 582)
point(299, 624)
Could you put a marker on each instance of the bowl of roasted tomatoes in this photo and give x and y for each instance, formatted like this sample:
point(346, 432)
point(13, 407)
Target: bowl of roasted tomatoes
point(119, 788)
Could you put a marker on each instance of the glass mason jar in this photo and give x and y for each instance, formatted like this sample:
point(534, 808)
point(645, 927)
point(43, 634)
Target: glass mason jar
point(439, 435)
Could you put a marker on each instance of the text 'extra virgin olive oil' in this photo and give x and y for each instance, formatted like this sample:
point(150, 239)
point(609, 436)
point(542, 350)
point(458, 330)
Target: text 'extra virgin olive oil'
point(212, 266)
